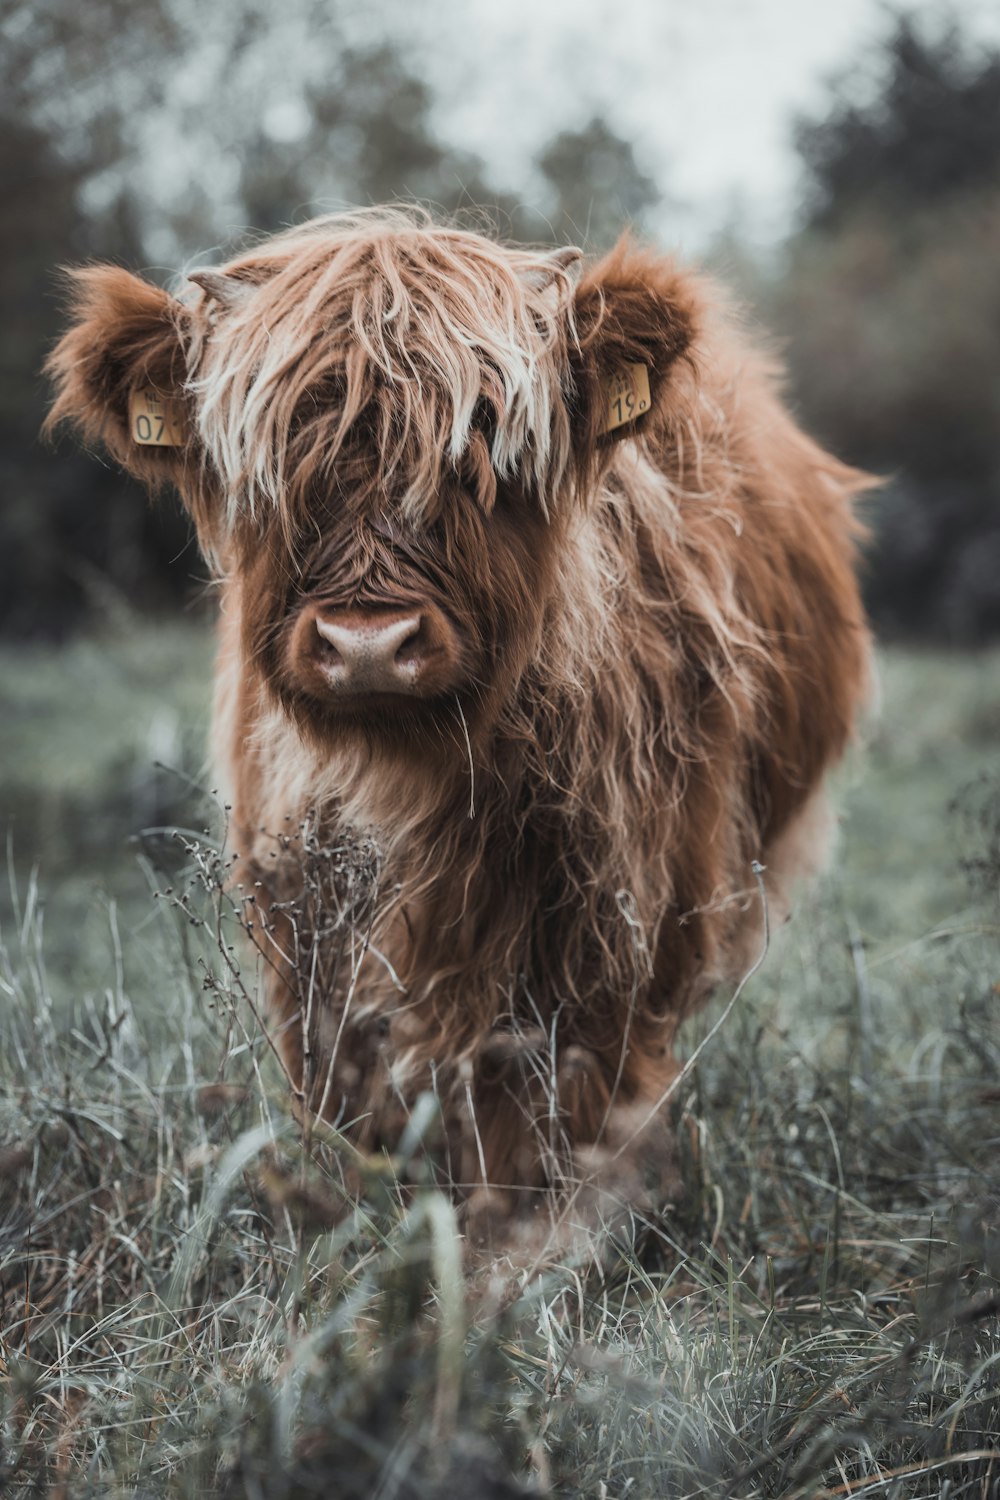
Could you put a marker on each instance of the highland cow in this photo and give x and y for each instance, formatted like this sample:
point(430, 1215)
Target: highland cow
point(527, 575)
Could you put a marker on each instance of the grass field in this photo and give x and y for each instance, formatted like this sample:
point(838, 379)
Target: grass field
point(194, 1304)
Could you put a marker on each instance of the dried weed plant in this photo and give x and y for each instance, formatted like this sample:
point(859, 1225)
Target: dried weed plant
point(205, 1294)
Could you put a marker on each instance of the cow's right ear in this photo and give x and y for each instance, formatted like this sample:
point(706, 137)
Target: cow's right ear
point(636, 316)
point(124, 355)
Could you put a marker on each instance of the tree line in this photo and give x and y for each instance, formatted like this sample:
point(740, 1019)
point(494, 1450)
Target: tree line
point(135, 134)
point(889, 299)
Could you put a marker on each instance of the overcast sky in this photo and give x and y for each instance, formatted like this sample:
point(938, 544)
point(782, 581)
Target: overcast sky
point(707, 89)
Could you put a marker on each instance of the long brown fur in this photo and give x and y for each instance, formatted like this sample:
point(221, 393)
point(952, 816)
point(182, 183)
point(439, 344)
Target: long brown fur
point(661, 651)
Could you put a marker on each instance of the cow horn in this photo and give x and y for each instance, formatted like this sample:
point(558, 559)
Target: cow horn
point(228, 291)
point(568, 260)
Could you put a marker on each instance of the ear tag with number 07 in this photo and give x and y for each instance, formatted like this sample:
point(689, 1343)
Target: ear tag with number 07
point(156, 421)
point(627, 393)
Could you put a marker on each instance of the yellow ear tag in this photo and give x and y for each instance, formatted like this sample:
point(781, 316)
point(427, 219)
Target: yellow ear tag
point(156, 421)
point(627, 392)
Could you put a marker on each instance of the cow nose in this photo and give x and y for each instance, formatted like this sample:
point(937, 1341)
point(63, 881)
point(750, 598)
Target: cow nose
point(410, 649)
point(373, 651)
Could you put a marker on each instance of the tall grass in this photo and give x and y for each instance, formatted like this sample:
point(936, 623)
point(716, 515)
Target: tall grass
point(197, 1301)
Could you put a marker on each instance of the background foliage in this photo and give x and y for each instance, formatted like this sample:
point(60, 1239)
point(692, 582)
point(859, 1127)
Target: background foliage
point(137, 134)
point(890, 302)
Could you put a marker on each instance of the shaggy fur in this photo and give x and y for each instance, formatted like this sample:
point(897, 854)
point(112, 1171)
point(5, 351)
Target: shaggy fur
point(657, 650)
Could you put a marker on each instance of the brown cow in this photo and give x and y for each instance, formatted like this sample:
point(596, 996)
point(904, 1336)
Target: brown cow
point(529, 576)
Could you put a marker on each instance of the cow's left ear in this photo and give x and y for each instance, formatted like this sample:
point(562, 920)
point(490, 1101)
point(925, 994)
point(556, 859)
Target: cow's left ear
point(119, 373)
point(635, 316)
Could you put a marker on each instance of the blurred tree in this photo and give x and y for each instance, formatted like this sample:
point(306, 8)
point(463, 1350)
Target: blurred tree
point(596, 185)
point(890, 302)
point(368, 138)
point(71, 531)
point(929, 129)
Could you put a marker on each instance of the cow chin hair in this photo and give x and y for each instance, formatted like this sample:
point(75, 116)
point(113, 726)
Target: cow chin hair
point(397, 735)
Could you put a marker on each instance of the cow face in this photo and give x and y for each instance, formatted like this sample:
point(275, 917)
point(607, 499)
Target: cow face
point(387, 430)
point(386, 626)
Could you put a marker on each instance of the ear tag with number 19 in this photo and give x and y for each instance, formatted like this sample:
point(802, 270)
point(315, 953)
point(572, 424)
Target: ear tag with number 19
point(627, 393)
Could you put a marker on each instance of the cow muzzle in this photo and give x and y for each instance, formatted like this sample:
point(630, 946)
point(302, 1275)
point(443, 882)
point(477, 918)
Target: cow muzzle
point(365, 653)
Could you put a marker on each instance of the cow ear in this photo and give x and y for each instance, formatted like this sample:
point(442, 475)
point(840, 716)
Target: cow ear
point(635, 318)
point(119, 373)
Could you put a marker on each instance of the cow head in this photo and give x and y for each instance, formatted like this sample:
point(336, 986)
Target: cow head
point(385, 431)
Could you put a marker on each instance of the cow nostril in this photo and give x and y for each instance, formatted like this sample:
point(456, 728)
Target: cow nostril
point(411, 645)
